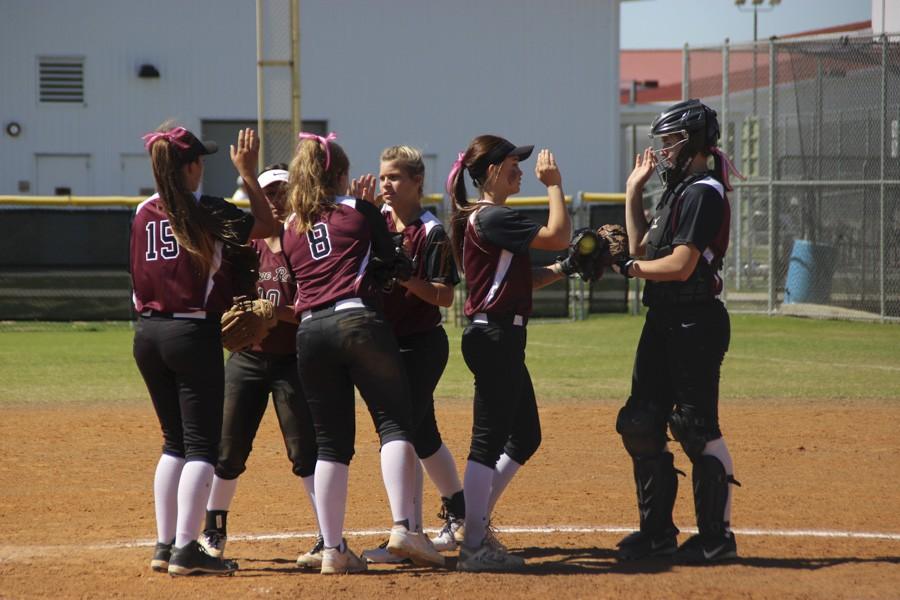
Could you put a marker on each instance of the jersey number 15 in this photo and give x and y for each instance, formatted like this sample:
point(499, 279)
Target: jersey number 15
point(161, 241)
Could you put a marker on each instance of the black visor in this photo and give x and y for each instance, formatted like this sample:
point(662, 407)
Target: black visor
point(496, 156)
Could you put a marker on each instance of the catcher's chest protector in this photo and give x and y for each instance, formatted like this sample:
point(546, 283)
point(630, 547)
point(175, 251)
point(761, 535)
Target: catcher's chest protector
point(705, 282)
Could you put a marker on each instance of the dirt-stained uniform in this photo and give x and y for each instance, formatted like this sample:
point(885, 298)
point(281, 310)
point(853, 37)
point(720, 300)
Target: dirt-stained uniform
point(269, 367)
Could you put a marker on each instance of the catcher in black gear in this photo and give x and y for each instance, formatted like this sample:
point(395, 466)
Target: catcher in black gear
point(675, 384)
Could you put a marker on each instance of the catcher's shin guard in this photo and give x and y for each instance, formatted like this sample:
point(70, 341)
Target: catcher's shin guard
point(657, 485)
point(711, 489)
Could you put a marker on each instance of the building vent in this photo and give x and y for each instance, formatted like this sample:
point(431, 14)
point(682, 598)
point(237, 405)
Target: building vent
point(61, 80)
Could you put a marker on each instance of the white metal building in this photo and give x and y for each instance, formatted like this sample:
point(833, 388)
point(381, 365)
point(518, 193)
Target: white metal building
point(429, 73)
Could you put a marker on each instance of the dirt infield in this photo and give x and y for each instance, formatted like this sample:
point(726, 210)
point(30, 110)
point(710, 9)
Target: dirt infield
point(76, 510)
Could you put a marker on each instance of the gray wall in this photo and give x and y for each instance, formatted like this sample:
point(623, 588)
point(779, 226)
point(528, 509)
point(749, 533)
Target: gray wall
point(428, 73)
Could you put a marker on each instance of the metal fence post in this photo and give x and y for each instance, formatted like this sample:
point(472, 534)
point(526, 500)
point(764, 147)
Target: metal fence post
point(685, 73)
point(771, 186)
point(881, 213)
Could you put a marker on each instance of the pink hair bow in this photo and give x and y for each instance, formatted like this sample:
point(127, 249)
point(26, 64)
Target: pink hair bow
point(457, 167)
point(727, 166)
point(173, 136)
point(325, 141)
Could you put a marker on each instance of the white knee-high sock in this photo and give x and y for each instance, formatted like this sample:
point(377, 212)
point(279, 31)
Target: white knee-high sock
point(398, 459)
point(418, 497)
point(193, 494)
point(165, 496)
point(309, 485)
point(719, 449)
point(442, 470)
point(331, 499)
point(505, 470)
point(477, 491)
point(221, 494)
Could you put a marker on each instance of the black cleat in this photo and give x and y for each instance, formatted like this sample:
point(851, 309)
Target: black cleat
point(192, 559)
point(699, 550)
point(640, 545)
point(161, 555)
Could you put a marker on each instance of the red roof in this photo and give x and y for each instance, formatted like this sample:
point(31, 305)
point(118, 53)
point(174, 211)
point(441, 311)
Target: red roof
point(665, 68)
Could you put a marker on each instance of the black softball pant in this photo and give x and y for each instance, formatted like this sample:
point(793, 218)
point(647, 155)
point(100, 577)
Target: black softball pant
point(249, 379)
point(425, 358)
point(505, 410)
point(339, 350)
point(678, 364)
point(181, 363)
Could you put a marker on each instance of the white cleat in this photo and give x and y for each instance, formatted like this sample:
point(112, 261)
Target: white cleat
point(414, 546)
point(336, 562)
point(487, 558)
point(381, 555)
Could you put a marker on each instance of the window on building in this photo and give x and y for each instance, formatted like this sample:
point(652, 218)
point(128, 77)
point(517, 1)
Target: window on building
point(61, 80)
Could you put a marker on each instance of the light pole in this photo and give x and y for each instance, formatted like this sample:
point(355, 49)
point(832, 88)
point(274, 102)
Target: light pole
point(755, 7)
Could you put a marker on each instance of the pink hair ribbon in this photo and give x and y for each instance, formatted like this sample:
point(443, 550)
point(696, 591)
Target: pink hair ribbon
point(173, 136)
point(457, 167)
point(325, 141)
point(727, 166)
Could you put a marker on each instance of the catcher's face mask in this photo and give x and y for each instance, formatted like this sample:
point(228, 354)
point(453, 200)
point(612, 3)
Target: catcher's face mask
point(668, 150)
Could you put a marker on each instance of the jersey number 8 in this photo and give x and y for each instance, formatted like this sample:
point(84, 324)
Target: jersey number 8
point(319, 244)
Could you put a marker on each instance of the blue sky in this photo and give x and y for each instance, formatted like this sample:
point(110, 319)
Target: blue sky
point(671, 23)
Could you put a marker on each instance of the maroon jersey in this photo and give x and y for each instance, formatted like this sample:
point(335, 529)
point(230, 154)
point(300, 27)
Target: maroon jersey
point(276, 284)
point(496, 261)
point(163, 276)
point(329, 261)
point(425, 241)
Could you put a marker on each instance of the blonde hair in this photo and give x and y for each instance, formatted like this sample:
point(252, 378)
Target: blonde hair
point(194, 228)
point(409, 159)
point(311, 188)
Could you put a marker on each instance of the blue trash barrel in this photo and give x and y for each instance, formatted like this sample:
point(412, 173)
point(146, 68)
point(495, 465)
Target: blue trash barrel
point(810, 271)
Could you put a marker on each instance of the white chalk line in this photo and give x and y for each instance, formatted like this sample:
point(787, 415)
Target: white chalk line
point(12, 552)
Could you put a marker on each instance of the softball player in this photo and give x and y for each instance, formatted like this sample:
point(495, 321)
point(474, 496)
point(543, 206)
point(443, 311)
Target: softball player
point(491, 241)
point(269, 367)
point(685, 337)
point(411, 307)
point(177, 240)
point(342, 342)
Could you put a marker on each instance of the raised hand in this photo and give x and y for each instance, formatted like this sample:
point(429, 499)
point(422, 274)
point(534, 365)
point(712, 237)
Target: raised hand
point(545, 169)
point(245, 155)
point(644, 164)
point(364, 188)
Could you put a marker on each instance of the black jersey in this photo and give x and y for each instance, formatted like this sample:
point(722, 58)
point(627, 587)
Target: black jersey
point(694, 212)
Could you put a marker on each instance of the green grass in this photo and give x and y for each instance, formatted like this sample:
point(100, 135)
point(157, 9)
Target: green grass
point(588, 361)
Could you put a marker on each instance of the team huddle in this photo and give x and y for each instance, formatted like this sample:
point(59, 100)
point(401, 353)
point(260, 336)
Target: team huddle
point(331, 285)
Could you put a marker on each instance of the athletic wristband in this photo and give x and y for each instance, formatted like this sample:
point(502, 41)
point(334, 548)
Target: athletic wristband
point(624, 265)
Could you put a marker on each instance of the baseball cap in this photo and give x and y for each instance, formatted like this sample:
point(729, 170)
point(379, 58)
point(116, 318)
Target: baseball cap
point(197, 148)
point(272, 176)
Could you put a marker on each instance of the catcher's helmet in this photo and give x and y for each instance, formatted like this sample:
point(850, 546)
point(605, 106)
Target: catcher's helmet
point(700, 128)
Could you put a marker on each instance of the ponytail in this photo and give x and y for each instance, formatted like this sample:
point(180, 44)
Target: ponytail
point(722, 167)
point(195, 229)
point(314, 175)
point(461, 207)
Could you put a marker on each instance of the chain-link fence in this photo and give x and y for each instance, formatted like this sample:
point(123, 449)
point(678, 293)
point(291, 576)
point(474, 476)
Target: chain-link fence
point(813, 123)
